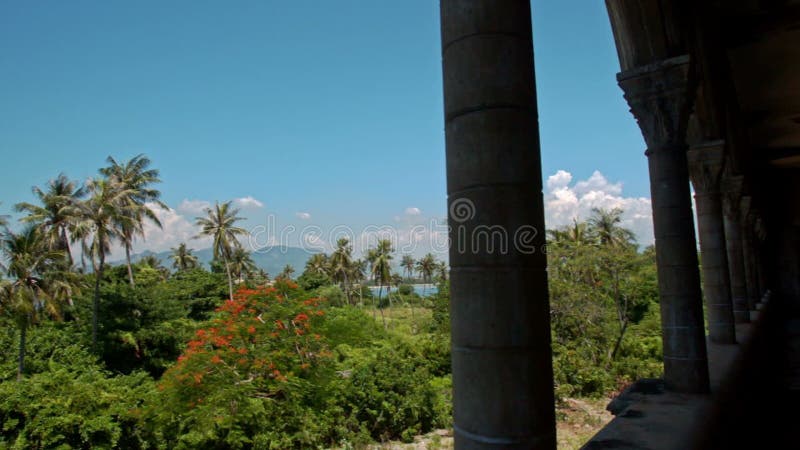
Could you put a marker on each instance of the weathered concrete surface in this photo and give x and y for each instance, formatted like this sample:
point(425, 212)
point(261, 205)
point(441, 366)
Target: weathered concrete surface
point(502, 368)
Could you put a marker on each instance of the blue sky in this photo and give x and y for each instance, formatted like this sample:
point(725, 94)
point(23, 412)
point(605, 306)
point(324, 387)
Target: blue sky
point(332, 109)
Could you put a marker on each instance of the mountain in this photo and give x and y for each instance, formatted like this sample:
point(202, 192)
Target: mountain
point(271, 259)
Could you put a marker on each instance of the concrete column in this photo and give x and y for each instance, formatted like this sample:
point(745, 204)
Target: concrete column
point(705, 170)
point(660, 98)
point(732, 190)
point(749, 253)
point(502, 360)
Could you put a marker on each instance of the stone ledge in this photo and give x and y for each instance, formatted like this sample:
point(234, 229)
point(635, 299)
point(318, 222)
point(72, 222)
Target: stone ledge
point(649, 417)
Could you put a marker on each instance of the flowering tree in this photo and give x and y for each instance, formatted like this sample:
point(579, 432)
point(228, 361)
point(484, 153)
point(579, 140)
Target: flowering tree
point(256, 365)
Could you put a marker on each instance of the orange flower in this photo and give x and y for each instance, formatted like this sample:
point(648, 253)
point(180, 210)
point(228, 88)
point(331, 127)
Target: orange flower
point(251, 329)
point(216, 359)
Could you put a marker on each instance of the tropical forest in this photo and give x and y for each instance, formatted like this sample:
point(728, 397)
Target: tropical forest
point(350, 350)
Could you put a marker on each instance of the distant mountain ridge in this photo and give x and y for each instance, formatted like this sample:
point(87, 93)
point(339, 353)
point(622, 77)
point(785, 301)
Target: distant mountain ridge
point(271, 259)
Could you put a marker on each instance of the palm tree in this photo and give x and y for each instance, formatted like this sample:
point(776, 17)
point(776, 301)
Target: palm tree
point(182, 258)
point(408, 265)
point(219, 224)
point(153, 262)
point(30, 293)
point(99, 215)
point(358, 271)
point(426, 267)
point(318, 264)
point(341, 263)
point(3, 222)
point(382, 269)
point(135, 177)
point(242, 264)
point(604, 225)
point(58, 213)
point(286, 273)
point(442, 271)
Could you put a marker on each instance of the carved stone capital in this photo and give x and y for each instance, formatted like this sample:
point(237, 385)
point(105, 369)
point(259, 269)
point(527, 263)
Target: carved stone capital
point(705, 166)
point(732, 188)
point(660, 97)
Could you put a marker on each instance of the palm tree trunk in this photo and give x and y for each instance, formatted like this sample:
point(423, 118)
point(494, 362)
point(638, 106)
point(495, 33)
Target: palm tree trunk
point(128, 259)
point(374, 316)
point(83, 255)
point(65, 246)
point(618, 343)
point(230, 279)
point(346, 290)
point(22, 334)
point(383, 318)
point(98, 271)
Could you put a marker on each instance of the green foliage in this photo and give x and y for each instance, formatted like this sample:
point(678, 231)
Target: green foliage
point(67, 400)
point(333, 294)
point(405, 289)
point(312, 280)
point(604, 308)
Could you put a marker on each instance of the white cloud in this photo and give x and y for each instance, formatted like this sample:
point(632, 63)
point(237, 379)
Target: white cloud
point(193, 206)
point(303, 215)
point(561, 179)
point(412, 211)
point(565, 202)
point(248, 202)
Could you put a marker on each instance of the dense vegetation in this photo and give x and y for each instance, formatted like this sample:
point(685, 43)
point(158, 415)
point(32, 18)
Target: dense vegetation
point(143, 356)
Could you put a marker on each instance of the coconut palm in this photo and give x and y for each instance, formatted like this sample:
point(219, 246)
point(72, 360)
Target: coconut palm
point(358, 272)
point(341, 263)
point(135, 178)
point(182, 258)
point(99, 215)
point(426, 266)
point(57, 213)
point(153, 262)
point(220, 224)
point(408, 265)
point(30, 293)
point(318, 264)
point(442, 271)
point(382, 269)
point(605, 226)
point(242, 264)
point(286, 273)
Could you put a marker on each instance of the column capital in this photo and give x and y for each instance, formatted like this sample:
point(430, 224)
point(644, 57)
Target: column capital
point(660, 97)
point(705, 166)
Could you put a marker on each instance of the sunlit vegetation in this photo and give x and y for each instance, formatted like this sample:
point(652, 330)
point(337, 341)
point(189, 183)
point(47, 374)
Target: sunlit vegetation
point(174, 355)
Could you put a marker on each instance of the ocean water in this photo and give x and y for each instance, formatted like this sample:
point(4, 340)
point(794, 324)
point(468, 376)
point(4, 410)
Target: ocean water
point(423, 290)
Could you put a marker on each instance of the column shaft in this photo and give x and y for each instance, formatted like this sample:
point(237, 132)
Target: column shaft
point(502, 360)
point(733, 244)
point(660, 98)
point(705, 166)
point(748, 253)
